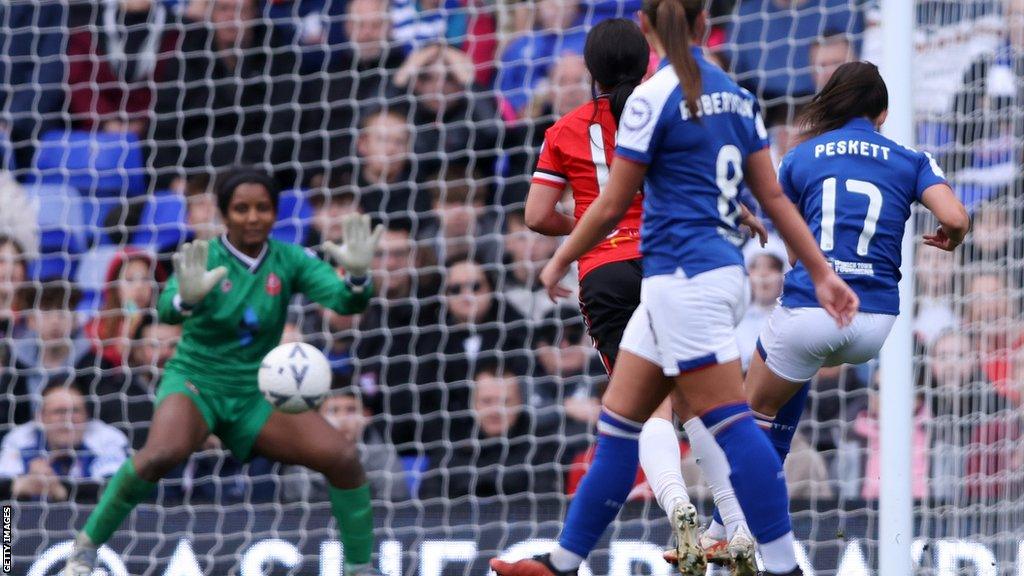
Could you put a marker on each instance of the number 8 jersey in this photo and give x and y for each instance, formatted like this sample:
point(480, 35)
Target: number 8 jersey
point(855, 189)
point(695, 166)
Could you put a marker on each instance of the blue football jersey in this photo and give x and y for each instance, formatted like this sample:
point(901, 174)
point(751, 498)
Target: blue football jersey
point(855, 188)
point(695, 167)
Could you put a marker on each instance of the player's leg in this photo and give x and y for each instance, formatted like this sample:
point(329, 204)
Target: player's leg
point(695, 329)
point(627, 403)
point(308, 440)
point(178, 429)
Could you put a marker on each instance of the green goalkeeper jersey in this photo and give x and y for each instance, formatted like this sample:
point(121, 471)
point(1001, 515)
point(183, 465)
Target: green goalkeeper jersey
point(228, 333)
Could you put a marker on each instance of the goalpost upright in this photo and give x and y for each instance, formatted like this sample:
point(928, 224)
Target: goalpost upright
point(895, 518)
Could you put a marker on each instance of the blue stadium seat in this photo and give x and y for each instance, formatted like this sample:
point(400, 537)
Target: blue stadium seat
point(61, 230)
point(101, 164)
point(162, 226)
point(94, 216)
point(293, 216)
point(91, 276)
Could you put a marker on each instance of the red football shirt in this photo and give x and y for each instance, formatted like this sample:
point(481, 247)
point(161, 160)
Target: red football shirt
point(577, 152)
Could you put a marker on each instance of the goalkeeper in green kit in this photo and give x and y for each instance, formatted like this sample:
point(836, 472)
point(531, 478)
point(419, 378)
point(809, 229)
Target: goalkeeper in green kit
point(231, 295)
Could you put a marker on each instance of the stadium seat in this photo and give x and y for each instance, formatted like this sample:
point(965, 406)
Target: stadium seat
point(101, 164)
point(293, 216)
point(162, 226)
point(61, 230)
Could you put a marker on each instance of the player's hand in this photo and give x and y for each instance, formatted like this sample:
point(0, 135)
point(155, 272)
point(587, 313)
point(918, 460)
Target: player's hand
point(551, 277)
point(194, 280)
point(837, 299)
point(941, 240)
point(754, 226)
point(359, 244)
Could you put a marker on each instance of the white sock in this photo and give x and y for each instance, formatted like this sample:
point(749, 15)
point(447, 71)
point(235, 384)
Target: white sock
point(662, 464)
point(778, 555)
point(564, 560)
point(715, 466)
point(716, 530)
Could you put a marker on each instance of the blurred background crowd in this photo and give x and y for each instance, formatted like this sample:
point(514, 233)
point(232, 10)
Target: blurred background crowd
point(462, 378)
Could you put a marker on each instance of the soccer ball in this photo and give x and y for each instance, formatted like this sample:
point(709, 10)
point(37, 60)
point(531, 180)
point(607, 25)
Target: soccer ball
point(294, 377)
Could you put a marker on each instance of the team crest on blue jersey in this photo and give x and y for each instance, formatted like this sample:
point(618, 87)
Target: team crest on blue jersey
point(638, 114)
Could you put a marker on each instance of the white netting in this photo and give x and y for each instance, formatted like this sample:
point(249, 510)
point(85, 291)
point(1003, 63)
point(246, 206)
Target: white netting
point(429, 115)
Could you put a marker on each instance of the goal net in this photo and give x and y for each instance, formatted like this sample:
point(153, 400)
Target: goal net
point(474, 396)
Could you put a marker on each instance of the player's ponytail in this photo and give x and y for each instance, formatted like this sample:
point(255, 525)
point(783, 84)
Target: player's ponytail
point(674, 22)
point(616, 54)
point(855, 90)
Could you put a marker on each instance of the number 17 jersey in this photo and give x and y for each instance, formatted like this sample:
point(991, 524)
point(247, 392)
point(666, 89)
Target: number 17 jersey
point(855, 189)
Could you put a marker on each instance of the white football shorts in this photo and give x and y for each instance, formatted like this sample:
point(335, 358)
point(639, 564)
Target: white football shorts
point(684, 324)
point(796, 342)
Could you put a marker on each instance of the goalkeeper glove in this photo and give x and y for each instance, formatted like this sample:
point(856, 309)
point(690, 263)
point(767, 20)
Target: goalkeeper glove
point(194, 280)
point(355, 255)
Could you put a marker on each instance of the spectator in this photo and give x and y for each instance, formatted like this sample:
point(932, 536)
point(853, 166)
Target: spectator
point(993, 243)
point(566, 88)
point(526, 253)
point(344, 410)
point(765, 270)
point(224, 112)
point(508, 453)
point(771, 43)
point(455, 122)
point(360, 81)
point(54, 349)
point(117, 61)
point(131, 284)
point(464, 228)
point(525, 61)
point(395, 332)
point(867, 427)
point(568, 374)
point(382, 176)
point(957, 397)
point(201, 213)
point(128, 405)
point(19, 217)
point(996, 459)
point(63, 454)
point(828, 53)
point(329, 207)
point(992, 318)
point(935, 276)
point(15, 405)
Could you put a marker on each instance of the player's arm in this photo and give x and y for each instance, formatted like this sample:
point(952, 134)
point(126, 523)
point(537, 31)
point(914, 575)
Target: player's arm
point(954, 222)
point(833, 294)
point(320, 283)
point(542, 213)
point(190, 283)
point(599, 220)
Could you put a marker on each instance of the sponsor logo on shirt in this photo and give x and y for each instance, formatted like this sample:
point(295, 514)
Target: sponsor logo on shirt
point(273, 285)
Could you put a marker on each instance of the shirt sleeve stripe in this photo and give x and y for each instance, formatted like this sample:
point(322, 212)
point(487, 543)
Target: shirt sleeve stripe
point(543, 177)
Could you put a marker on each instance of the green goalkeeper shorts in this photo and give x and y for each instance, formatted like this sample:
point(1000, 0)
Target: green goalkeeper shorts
point(234, 417)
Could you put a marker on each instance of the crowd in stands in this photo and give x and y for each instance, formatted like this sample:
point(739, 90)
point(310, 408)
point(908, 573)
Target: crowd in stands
point(462, 378)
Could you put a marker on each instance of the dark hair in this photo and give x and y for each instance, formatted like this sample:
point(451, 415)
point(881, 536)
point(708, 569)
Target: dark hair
point(55, 295)
point(855, 90)
point(229, 181)
point(616, 54)
point(673, 22)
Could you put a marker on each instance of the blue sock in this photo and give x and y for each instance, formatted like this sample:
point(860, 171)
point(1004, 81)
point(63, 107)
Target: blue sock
point(607, 483)
point(756, 472)
point(782, 428)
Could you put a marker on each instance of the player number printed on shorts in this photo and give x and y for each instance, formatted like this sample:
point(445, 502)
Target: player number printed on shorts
point(828, 212)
